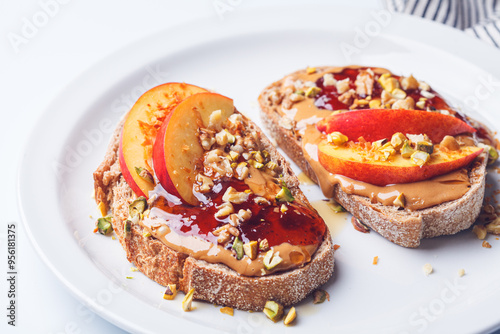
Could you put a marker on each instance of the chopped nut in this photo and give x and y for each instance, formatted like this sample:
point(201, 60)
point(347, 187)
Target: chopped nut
point(364, 84)
point(242, 171)
point(408, 82)
point(255, 164)
point(387, 98)
point(461, 272)
point(427, 95)
point(312, 91)
point(187, 302)
point(425, 146)
point(127, 227)
point(223, 237)
point(450, 143)
point(388, 82)
point(337, 138)
point(494, 227)
point(273, 310)
point(261, 201)
point(283, 208)
point(420, 105)
point(103, 209)
point(225, 209)
point(138, 206)
point(424, 86)
point(250, 249)
point(374, 104)
point(145, 175)
point(329, 80)
point(480, 231)
point(233, 231)
point(222, 138)
point(486, 244)
point(238, 248)
point(427, 268)
point(170, 292)
point(400, 200)
point(244, 215)
point(264, 245)
point(319, 296)
point(492, 153)
point(271, 259)
point(235, 119)
point(233, 196)
point(104, 225)
point(234, 155)
point(407, 150)
point(398, 94)
point(204, 185)
point(359, 226)
point(420, 158)
point(296, 97)
point(397, 140)
point(146, 234)
point(347, 97)
point(215, 119)
point(408, 104)
point(343, 86)
point(284, 195)
point(290, 317)
point(227, 310)
point(286, 123)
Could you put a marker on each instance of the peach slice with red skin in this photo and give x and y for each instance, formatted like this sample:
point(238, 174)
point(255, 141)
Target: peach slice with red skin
point(157, 102)
point(355, 164)
point(177, 152)
point(376, 124)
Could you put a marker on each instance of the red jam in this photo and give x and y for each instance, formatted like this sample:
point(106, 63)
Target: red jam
point(299, 225)
point(328, 97)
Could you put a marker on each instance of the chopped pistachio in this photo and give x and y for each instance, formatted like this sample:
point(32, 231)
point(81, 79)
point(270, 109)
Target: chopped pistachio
point(319, 296)
point(170, 292)
point(104, 225)
point(146, 234)
point(284, 195)
point(425, 146)
point(406, 150)
point(379, 143)
point(492, 153)
point(187, 302)
point(283, 208)
point(336, 207)
point(255, 164)
point(290, 317)
point(258, 157)
point(312, 91)
point(272, 259)
point(450, 143)
point(238, 248)
point(397, 140)
point(145, 174)
point(250, 249)
point(420, 158)
point(271, 165)
point(264, 245)
point(400, 200)
point(337, 138)
point(311, 70)
point(273, 310)
point(138, 206)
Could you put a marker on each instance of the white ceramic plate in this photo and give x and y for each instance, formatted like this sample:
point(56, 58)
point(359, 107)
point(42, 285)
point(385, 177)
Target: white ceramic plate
point(238, 57)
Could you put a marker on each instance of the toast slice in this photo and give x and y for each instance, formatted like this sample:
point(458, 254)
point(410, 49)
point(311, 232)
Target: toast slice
point(213, 282)
point(401, 226)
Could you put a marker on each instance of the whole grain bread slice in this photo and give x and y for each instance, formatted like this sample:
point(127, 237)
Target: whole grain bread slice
point(403, 227)
point(215, 283)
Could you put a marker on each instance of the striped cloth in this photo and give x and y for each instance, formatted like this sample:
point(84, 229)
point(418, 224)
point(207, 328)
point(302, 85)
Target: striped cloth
point(480, 18)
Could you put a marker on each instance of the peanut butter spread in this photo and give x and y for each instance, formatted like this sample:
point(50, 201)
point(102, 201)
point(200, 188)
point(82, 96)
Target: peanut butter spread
point(307, 97)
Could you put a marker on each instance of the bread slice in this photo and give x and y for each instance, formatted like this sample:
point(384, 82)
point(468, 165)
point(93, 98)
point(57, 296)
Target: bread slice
point(215, 283)
point(403, 227)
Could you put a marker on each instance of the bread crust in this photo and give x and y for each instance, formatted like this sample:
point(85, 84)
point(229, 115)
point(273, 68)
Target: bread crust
point(403, 227)
point(215, 283)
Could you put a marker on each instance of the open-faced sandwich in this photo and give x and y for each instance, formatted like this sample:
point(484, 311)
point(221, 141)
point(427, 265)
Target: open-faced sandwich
point(388, 148)
point(203, 203)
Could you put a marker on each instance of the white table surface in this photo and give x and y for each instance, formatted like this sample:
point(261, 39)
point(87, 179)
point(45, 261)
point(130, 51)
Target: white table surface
point(71, 40)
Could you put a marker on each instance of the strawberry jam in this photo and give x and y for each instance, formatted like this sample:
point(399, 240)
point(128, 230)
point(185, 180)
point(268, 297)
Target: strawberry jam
point(328, 98)
point(298, 225)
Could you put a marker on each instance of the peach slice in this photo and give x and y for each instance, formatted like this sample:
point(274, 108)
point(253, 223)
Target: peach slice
point(140, 128)
point(376, 124)
point(177, 152)
point(353, 162)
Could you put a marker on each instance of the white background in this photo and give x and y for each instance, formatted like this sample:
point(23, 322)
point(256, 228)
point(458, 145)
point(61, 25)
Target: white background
point(76, 35)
